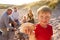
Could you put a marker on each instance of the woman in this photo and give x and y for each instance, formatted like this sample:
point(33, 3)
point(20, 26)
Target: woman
point(30, 17)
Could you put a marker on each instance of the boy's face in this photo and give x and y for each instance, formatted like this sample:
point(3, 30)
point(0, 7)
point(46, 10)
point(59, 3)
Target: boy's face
point(44, 17)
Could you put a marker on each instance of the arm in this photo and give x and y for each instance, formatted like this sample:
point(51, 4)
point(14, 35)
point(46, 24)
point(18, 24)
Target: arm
point(18, 16)
point(12, 19)
point(11, 16)
point(51, 33)
point(51, 37)
point(32, 36)
point(6, 22)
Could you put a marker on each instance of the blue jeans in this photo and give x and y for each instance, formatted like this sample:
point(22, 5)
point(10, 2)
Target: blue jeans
point(18, 23)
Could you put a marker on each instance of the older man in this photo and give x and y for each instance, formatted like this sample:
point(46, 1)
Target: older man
point(4, 23)
point(15, 17)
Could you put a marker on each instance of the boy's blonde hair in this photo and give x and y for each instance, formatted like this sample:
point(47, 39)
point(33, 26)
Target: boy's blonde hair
point(44, 9)
point(26, 26)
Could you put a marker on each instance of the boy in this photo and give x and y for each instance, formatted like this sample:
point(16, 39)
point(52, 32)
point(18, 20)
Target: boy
point(43, 30)
point(27, 30)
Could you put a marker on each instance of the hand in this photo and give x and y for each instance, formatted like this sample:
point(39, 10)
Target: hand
point(28, 31)
point(14, 29)
point(32, 36)
point(15, 23)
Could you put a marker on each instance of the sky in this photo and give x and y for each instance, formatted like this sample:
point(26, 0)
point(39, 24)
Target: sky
point(16, 2)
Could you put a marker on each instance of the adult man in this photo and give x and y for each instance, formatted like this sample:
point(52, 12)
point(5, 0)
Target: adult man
point(15, 17)
point(4, 23)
